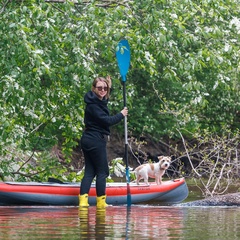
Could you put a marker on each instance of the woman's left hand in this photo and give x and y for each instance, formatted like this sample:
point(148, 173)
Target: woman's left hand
point(124, 111)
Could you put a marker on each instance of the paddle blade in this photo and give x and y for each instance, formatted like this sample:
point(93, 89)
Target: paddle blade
point(123, 58)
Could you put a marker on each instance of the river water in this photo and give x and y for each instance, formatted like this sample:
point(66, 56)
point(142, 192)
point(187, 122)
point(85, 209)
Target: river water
point(120, 222)
point(147, 221)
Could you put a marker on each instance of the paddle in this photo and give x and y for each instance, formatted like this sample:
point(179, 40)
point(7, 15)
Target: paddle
point(123, 59)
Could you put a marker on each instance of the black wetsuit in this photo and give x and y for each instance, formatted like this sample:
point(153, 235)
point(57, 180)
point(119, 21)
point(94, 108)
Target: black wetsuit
point(94, 141)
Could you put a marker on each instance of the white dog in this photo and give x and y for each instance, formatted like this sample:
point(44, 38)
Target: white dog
point(153, 170)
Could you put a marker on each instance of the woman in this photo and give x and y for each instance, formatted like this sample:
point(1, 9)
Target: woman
point(94, 140)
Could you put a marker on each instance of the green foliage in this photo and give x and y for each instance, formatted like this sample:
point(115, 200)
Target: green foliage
point(184, 68)
point(30, 166)
point(189, 57)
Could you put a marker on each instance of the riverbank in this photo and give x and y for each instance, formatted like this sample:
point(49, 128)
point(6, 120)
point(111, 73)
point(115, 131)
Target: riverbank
point(231, 199)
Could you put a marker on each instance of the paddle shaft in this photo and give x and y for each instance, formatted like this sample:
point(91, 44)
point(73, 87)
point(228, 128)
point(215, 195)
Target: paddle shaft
point(125, 118)
point(126, 146)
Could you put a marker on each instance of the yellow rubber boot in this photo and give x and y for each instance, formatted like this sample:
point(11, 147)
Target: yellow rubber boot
point(101, 202)
point(83, 200)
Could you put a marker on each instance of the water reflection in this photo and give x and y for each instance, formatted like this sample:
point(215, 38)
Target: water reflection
point(121, 222)
point(134, 223)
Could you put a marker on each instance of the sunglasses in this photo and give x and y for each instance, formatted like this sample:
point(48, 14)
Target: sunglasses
point(102, 88)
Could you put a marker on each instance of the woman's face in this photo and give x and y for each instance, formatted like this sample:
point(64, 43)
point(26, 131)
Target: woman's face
point(101, 89)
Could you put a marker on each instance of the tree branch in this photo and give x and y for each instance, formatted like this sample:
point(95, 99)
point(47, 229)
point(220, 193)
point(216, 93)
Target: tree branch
point(106, 3)
point(4, 6)
point(199, 175)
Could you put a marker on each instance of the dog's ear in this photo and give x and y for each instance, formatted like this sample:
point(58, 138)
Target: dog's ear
point(160, 158)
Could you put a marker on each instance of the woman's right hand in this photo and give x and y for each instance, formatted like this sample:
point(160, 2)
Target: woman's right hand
point(109, 81)
point(124, 112)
